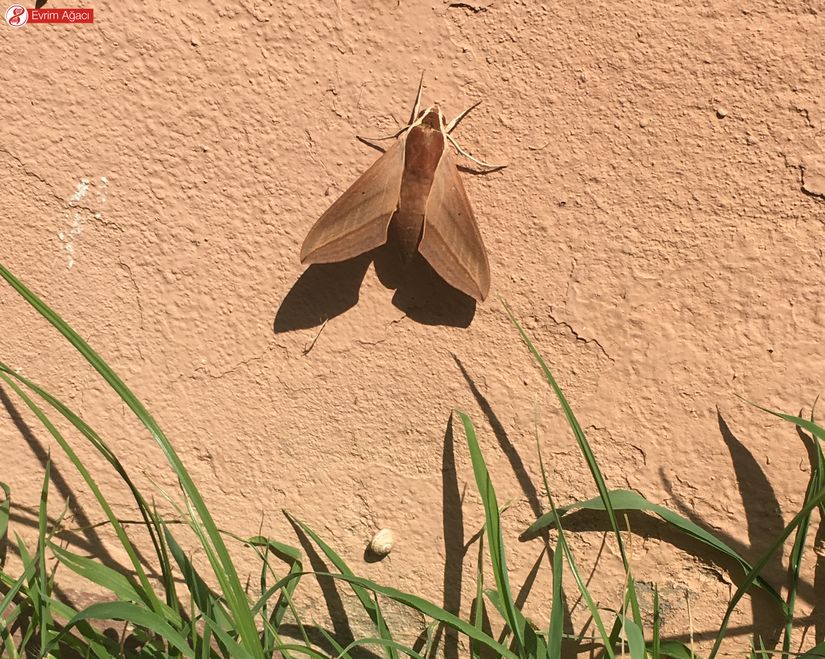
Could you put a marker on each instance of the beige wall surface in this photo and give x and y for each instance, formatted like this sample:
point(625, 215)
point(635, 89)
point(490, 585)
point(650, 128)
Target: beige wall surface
point(659, 231)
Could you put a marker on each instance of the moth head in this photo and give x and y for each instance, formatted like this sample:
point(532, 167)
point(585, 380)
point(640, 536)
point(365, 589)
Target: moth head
point(431, 117)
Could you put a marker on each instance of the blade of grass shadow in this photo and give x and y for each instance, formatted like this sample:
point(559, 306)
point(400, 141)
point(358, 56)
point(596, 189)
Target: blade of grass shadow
point(495, 539)
point(584, 447)
point(223, 568)
point(369, 605)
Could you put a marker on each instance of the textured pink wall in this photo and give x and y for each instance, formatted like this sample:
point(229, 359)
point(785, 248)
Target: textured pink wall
point(161, 167)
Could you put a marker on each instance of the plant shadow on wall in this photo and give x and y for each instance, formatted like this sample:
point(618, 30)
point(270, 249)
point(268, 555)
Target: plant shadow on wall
point(762, 516)
point(199, 604)
point(327, 290)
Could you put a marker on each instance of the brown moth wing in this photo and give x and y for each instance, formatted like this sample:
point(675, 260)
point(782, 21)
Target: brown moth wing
point(451, 241)
point(357, 221)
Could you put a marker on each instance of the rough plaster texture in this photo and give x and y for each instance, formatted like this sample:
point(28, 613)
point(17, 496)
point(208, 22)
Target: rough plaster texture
point(659, 231)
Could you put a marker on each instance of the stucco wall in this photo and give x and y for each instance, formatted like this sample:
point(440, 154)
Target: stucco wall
point(161, 167)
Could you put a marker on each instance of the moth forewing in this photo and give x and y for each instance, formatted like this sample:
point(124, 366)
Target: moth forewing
point(357, 221)
point(451, 242)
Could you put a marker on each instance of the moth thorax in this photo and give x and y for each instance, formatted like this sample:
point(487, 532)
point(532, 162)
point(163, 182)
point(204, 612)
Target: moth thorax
point(431, 119)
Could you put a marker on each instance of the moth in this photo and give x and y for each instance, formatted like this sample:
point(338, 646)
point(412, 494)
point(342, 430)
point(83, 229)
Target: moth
point(414, 193)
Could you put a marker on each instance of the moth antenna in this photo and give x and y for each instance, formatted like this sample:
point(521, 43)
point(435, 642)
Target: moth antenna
point(410, 123)
point(486, 165)
point(451, 126)
point(417, 103)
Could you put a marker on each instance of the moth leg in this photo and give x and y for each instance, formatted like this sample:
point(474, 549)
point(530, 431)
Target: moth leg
point(486, 165)
point(382, 139)
point(451, 126)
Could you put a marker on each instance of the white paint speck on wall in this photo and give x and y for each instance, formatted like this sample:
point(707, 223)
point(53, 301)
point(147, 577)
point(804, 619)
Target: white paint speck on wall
point(76, 217)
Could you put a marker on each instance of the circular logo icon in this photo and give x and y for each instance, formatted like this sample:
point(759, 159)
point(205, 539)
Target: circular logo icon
point(17, 15)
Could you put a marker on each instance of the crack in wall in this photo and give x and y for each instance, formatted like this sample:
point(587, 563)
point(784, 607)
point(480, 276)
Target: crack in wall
point(578, 337)
point(131, 275)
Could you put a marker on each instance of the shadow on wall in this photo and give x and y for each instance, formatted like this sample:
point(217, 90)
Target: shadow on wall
point(763, 518)
point(327, 290)
point(86, 537)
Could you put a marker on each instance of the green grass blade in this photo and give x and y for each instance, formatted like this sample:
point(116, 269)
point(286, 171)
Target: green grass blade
point(816, 652)
point(96, 572)
point(587, 452)
point(203, 597)
point(136, 614)
point(44, 585)
point(11, 379)
point(561, 545)
point(495, 539)
point(5, 510)
point(534, 644)
point(578, 433)
point(382, 642)
point(369, 605)
point(556, 631)
point(656, 646)
point(673, 650)
point(635, 638)
point(331, 640)
point(421, 605)
point(751, 577)
point(292, 557)
point(795, 563)
point(224, 568)
point(478, 611)
point(815, 483)
point(430, 610)
point(629, 500)
point(225, 641)
point(16, 586)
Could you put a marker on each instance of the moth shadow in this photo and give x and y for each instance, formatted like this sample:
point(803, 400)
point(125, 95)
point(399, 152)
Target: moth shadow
point(420, 293)
point(326, 290)
point(323, 291)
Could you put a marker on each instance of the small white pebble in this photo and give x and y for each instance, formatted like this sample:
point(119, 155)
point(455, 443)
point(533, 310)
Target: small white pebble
point(382, 542)
point(721, 112)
